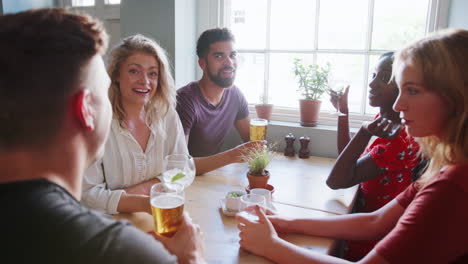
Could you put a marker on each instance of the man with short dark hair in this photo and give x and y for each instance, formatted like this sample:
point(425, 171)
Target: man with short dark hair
point(55, 117)
point(210, 107)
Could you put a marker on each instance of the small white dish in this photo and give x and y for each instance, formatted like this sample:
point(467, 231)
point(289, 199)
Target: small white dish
point(233, 200)
point(226, 212)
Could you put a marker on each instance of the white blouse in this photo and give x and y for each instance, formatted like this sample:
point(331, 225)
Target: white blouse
point(125, 164)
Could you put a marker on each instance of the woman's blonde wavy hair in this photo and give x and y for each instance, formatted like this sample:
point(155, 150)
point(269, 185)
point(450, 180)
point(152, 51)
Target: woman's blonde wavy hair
point(442, 59)
point(163, 99)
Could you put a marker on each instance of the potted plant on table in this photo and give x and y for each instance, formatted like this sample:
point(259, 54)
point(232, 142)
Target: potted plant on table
point(313, 82)
point(258, 159)
point(264, 108)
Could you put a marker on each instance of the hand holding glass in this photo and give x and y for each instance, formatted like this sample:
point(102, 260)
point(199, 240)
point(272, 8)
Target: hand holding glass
point(248, 200)
point(167, 205)
point(337, 90)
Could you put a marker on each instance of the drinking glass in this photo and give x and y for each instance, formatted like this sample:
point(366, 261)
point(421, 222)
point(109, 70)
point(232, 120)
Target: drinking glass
point(337, 89)
point(263, 192)
point(167, 206)
point(248, 200)
point(178, 168)
point(258, 129)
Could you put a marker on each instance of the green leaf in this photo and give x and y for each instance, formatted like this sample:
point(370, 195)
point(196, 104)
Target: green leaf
point(178, 176)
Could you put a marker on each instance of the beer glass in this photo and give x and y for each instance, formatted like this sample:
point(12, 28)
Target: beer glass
point(178, 168)
point(167, 205)
point(258, 129)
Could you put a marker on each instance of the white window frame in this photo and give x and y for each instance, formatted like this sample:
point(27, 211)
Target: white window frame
point(215, 14)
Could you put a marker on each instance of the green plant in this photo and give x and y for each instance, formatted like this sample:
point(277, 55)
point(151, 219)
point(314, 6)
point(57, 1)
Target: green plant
point(313, 79)
point(258, 159)
point(264, 99)
point(235, 194)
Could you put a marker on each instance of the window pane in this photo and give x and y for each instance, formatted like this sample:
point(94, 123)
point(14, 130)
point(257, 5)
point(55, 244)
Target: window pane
point(82, 2)
point(248, 23)
point(343, 24)
point(282, 81)
point(347, 68)
point(398, 22)
point(112, 2)
point(250, 75)
point(292, 24)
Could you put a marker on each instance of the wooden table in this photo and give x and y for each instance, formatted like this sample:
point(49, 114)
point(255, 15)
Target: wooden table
point(300, 191)
point(297, 182)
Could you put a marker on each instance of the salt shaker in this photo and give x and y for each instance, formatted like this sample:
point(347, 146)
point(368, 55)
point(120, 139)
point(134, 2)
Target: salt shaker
point(289, 150)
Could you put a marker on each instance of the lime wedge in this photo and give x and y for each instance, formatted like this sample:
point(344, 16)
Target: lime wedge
point(178, 176)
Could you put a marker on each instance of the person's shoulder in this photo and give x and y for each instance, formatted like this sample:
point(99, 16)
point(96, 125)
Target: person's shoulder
point(234, 93)
point(170, 116)
point(139, 247)
point(456, 174)
point(188, 90)
point(235, 90)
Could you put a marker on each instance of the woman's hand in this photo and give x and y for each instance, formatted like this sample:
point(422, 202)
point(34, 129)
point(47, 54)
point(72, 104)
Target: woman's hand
point(384, 128)
point(280, 223)
point(340, 100)
point(256, 237)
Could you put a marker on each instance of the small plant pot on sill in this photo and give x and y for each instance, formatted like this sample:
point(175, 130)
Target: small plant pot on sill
point(264, 111)
point(310, 110)
point(258, 181)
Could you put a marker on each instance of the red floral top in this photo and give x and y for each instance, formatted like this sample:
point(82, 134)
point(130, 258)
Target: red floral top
point(397, 157)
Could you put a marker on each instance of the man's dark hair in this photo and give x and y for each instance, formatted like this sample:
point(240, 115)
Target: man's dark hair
point(389, 54)
point(211, 36)
point(43, 52)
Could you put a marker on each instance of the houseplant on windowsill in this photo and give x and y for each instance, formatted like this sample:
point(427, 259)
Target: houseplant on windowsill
point(257, 160)
point(313, 82)
point(264, 109)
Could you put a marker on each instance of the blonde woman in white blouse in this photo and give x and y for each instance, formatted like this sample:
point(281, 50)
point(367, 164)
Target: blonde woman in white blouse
point(145, 128)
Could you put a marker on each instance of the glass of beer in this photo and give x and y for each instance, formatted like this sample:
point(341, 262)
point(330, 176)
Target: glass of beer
point(167, 206)
point(258, 129)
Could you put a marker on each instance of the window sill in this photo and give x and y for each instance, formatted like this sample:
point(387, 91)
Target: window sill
point(274, 123)
point(326, 119)
point(323, 138)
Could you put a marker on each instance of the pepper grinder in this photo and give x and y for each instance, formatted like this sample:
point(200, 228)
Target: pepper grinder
point(289, 150)
point(304, 152)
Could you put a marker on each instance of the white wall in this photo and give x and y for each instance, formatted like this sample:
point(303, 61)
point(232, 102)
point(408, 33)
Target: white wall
point(170, 22)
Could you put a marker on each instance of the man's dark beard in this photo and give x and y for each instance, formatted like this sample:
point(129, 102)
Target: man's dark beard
point(224, 83)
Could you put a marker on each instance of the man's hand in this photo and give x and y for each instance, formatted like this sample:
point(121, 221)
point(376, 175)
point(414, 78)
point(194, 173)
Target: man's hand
point(384, 128)
point(187, 243)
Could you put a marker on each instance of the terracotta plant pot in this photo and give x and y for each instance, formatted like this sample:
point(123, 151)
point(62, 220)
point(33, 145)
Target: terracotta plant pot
point(264, 111)
point(258, 181)
point(310, 110)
